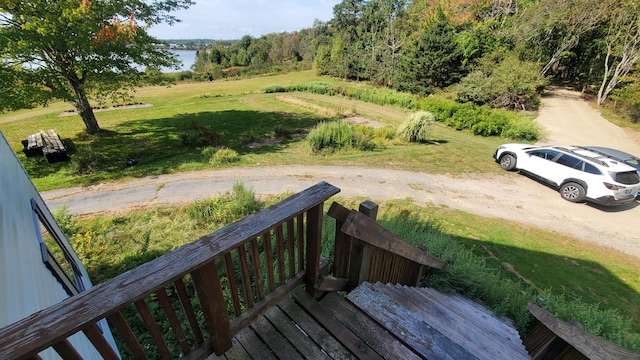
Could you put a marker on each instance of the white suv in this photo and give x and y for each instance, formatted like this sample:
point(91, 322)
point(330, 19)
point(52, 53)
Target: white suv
point(579, 174)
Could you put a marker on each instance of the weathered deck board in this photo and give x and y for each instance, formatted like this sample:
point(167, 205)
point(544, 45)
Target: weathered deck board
point(320, 336)
point(417, 333)
point(301, 341)
point(379, 338)
point(459, 327)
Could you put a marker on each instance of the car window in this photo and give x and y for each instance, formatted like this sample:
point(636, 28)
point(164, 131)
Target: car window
point(591, 169)
point(627, 178)
point(546, 154)
point(570, 161)
point(633, 162)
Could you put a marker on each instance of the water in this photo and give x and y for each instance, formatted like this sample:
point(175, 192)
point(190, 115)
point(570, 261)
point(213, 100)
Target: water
point(187, 57)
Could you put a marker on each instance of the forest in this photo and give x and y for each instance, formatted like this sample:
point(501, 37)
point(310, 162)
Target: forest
point(502, 53)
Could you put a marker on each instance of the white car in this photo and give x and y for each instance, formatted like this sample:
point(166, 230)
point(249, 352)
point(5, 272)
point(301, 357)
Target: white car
point(578, 173)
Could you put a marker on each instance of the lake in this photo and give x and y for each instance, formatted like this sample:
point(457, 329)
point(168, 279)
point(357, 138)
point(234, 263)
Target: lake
point(187, 57)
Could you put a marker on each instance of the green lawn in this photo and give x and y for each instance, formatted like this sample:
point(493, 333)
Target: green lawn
point(241, 114)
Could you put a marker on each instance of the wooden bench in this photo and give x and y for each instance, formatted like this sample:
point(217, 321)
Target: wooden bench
point(47, 144)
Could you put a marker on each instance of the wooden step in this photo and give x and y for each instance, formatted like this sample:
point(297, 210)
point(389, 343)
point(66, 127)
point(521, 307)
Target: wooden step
point(441, 326)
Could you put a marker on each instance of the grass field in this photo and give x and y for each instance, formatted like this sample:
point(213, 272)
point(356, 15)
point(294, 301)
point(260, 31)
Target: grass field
point(238, 114)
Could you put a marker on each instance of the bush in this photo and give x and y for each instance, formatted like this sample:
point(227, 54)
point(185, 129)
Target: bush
point(511, 84)
point(220, 155)
point(416, 128)
point(330, 136)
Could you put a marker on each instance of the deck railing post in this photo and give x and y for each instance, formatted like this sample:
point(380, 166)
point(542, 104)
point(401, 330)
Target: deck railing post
point(314, 237)
point(360, 250)
point(207, 283)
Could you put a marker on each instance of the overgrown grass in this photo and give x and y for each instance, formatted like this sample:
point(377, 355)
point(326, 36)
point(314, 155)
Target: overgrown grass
point(490, 261)
point(481, 120)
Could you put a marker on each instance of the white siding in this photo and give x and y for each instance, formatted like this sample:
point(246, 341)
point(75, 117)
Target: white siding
point(27, 285)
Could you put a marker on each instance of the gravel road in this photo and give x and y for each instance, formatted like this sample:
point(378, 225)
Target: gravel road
point(568, 120)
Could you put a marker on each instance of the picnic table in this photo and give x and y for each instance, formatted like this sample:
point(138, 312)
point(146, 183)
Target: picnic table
point(47, 144)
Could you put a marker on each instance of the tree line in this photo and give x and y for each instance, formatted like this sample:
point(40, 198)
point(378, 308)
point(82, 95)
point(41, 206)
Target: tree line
point(496, 52)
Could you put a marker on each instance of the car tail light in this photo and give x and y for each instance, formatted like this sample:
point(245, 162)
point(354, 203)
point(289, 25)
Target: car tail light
point(613, 186)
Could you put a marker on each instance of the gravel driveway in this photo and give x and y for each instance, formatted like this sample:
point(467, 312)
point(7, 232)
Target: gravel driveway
point(567, 119)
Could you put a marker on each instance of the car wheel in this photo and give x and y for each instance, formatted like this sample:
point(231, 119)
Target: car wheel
point(573, 192)
point(508, 162)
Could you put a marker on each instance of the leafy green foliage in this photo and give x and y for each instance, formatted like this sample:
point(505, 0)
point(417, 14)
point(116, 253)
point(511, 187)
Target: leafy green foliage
point(482, 120)
point(510, 84)
point(83, 48)
point(417, 126)
point(432, 60)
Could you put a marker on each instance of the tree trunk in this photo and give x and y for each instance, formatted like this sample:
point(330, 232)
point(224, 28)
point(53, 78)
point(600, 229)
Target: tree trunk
point(81, 103)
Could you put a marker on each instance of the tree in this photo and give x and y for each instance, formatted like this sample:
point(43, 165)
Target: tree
point(76, 49)
point(554, 27)
point(623, 47)
point(431, 60)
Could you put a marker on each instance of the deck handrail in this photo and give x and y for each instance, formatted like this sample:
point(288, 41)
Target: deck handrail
point(366, 251)
point(52, 326)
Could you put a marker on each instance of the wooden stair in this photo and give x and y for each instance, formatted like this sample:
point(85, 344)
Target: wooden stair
point(437, 325)
point(377, 321)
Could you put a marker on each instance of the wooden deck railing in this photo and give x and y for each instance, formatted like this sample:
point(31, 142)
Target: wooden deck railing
point(261, 258)
point(366, 251)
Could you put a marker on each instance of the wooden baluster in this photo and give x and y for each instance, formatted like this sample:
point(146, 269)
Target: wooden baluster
point(280, 249)
point(300, 230)
point(257, 268)
point(170, 312)
point(153, 328)
point(209, 289)
point(66, 350)
point(233, 284)
point(246, 275)
point(314, 238)
point(268, 249)
point(118, 321)
point(291, 242)
point(181, 290)
point(93, 333)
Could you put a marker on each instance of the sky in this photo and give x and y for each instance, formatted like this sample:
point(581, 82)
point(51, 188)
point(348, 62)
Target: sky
point(232, 19)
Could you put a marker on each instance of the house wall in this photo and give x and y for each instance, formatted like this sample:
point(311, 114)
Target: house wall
point(27, 285)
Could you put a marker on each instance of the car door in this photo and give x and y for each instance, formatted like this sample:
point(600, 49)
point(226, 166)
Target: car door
point(565, 167)
point(539, 162)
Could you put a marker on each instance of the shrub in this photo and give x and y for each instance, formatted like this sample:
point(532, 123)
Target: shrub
point(222, 155)
point(330, 136)
point(416, 128)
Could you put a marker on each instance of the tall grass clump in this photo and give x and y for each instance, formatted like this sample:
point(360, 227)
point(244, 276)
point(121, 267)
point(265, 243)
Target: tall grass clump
point(416, 127)
point(225, 209)
point(332, 136)
point(220, 155)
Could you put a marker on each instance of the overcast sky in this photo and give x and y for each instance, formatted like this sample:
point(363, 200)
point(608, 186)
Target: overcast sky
point(232, 19)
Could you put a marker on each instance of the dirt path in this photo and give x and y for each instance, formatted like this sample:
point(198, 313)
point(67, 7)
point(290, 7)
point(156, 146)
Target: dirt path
point(509, 196)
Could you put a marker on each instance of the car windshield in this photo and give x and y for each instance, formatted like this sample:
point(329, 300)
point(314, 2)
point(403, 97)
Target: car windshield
point(627, 177)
